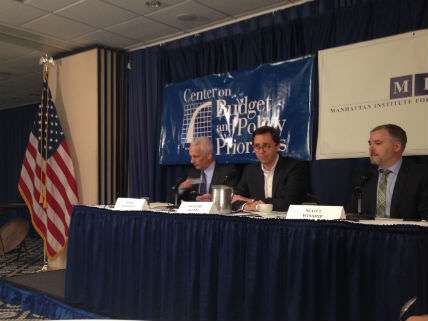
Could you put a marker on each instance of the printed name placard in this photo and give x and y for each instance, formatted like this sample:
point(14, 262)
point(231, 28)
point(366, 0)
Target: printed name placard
point(197, 207)
point(130, 204)
point(315, 212)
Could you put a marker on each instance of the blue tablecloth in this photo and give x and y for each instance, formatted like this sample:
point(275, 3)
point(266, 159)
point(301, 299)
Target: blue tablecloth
point(144, 265)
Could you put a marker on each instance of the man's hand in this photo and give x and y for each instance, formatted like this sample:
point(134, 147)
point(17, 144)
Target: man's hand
point(204, 198)
point(186, 184)
point(241, 198)
point(251, 206)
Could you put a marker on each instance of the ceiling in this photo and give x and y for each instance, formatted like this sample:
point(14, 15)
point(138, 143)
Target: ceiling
point(31, 28)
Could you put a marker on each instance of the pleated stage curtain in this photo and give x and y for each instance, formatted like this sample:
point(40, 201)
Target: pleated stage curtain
point(143, 265)
point(113, 125)
point(282, 35)
point(15, 127)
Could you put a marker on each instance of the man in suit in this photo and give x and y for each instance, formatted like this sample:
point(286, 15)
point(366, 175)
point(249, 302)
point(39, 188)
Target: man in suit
point(278, 180)
point(205, 172)
point(396, 188)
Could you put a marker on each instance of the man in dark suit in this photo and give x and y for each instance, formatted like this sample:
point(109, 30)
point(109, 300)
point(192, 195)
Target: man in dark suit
point(205, 172)
point(397, 187)
point(278, 180)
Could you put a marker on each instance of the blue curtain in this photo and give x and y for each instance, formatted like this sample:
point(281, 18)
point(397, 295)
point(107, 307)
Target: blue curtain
point(162, 266)
point(146, 81)
point(15, 127)
point(273, 37)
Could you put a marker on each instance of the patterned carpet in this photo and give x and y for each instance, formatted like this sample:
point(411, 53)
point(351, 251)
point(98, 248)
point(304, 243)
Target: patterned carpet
point(14, 312)
point(28, 258)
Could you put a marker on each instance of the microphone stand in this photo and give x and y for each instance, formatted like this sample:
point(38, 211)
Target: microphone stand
point(358, 192)
point(176, 191)
point(175, 194)
point(176, 198)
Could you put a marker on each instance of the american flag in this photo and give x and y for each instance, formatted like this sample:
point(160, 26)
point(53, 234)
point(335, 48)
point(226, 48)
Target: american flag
point(47, 182)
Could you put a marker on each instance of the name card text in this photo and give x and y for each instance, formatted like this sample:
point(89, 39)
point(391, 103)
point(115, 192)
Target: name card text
point(315, 212)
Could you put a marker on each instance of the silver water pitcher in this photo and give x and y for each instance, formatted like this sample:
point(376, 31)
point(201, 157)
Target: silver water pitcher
point(222, 198)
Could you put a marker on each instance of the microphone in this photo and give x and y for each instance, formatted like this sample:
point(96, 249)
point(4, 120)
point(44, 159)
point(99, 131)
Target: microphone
point(180, 180)
point(174, 188)
point(225, 179)
point(362, 180)
point(358, 190)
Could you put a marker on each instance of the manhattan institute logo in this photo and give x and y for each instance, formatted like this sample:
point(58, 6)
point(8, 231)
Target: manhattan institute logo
point(407, 90)
point(402, 87)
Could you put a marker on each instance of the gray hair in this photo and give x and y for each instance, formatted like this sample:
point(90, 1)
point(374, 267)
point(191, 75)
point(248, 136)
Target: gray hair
point(204, 144)
point(395, 132)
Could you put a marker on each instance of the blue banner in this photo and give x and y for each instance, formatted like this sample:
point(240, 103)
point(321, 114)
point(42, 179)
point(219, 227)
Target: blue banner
point(229, 107)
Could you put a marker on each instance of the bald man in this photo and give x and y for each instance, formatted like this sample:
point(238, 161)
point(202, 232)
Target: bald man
point(205, 172)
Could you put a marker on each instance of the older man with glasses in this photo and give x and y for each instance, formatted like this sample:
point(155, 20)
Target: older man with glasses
point(278, 180)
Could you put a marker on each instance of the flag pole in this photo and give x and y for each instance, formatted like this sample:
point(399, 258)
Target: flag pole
point(45, 61)
point(47, 182)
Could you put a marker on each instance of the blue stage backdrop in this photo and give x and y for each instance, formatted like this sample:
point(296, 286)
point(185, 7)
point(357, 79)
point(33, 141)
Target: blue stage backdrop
point(229, 107)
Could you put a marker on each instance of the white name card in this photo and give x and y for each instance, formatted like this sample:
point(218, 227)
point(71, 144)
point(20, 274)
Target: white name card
point(315, 212)
point(130, 204)
point(197, 207)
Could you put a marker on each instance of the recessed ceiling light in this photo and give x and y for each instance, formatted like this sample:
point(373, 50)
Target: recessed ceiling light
point(153, 3)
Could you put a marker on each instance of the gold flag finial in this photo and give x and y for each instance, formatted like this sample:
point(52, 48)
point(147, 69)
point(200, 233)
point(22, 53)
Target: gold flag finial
point(45, 61)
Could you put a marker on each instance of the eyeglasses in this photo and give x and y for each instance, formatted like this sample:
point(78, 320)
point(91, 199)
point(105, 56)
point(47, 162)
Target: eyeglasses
point(262, 147)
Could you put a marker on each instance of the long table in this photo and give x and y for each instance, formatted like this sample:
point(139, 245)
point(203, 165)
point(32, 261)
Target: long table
point(160, 266)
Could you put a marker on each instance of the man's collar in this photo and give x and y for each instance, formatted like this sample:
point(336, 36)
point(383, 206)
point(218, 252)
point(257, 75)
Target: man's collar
point(394, 168)
point(273, 167)
point(211, 167)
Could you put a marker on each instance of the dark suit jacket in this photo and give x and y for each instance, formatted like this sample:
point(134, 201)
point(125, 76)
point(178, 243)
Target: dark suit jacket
point(410, 195)
point(223, 175)
point(289, 184)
